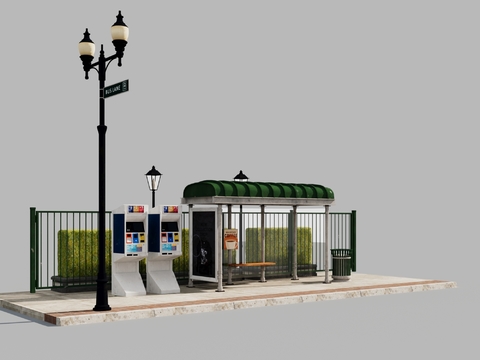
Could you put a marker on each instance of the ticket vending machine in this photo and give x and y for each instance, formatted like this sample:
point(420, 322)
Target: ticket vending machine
point(164, 245)
point(129, 246)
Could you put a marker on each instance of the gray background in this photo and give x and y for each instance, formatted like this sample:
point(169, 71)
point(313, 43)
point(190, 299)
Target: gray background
point(377, 100)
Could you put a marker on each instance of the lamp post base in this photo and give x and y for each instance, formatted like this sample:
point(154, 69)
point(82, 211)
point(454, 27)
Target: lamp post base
point(102, 297)
point(102, 308)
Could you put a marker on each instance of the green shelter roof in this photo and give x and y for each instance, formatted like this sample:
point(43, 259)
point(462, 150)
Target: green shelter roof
point(256, 193)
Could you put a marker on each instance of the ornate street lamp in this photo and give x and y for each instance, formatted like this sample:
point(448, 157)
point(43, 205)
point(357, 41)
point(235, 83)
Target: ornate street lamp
point(86, 47)
point(153, 181)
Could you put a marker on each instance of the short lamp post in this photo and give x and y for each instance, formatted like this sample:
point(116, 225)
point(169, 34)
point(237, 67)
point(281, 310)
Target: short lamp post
point(241, 177)
point(153, 181)
point(86, 47)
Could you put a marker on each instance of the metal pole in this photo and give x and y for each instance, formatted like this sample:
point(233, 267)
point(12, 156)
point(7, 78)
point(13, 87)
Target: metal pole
point(295, 241)
point(240, 236)
point(262, 221)
point(153, 199)
point(353, 239)
point(219, 243)
point(33, 249)
point(190, 246)
point(229, 278)
point(102, 293)
point(326, 247)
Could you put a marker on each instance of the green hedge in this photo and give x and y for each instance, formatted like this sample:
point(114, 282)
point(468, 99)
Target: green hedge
point(276, 245)
point(78, 250)
point(180, 264)
point(78, 253)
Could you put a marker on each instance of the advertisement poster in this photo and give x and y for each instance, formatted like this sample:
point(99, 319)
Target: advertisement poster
point(230, 239)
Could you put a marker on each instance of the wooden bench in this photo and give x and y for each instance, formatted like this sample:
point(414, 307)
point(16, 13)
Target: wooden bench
point(267, 263)
point(259, 264)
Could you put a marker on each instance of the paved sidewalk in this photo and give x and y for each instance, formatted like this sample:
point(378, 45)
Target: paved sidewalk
point(64, 309)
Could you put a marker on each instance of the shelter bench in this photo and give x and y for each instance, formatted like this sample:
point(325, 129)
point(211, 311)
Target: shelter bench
point(267, 263)
point(251, 264)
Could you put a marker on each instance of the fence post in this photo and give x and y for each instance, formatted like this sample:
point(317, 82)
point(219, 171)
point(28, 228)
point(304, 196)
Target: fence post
point(353, 239)
point(33, 253)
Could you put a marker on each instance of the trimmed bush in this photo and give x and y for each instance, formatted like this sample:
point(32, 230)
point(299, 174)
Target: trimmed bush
point(78, 250)
point(277, 245)
point(180, 264)
point(78, 253)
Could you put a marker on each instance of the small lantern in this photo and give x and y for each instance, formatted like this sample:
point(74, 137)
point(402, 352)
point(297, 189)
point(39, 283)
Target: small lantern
point(241, 177)
point(153, 181)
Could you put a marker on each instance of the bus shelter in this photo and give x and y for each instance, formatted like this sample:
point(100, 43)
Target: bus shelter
point(220, 193)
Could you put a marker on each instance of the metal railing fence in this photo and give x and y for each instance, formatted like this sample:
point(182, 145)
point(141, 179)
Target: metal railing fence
point(63, 245)
point(64, 250)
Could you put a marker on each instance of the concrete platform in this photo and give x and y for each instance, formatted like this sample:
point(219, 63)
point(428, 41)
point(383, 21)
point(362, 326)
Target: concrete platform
point(64, 309)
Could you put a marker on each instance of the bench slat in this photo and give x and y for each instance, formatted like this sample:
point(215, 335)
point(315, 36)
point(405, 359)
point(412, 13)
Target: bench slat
point(253, 264)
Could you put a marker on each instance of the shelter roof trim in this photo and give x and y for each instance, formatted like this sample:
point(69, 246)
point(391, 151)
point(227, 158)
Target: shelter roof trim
point(257, 193)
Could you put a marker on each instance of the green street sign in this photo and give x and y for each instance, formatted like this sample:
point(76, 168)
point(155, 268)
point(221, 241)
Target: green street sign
point(115, 89)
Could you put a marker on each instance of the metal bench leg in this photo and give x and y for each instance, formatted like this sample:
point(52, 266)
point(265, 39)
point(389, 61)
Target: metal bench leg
point(229, 279)
point(262, 277)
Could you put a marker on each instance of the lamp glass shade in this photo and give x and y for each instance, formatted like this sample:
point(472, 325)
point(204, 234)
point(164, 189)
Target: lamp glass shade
point(86, 48)
point(119, 32)
point(153, 182)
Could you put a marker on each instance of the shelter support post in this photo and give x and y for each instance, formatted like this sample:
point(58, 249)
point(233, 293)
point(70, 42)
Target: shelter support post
point(229, 279)
point(190, 239)
point(262, 222)
point(326, 245)
point(219, 249)
point(295, 240)
point(240, 235)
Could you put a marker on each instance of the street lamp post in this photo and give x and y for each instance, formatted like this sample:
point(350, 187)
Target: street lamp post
point(86, 47)
point(153, 180)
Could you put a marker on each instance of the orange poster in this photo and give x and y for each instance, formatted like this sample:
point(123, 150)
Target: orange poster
point(230, 239)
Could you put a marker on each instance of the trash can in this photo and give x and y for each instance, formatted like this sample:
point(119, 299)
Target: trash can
point(342, 268)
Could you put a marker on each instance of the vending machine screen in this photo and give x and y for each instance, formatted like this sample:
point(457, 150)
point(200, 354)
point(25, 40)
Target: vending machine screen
point(135, 226)
point(169, 226)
